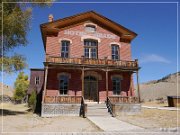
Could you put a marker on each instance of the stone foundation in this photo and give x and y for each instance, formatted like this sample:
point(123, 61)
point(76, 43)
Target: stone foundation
point(129, 109)
point(50, 110)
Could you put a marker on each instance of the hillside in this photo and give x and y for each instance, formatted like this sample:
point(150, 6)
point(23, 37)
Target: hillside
point(7, 90)
point(166, 86)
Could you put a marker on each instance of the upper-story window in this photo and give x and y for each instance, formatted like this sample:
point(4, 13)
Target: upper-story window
point(37, 80)
point(65, 48)
point(115, 52)
point(63, 84)
point(90, 48)
point(116, 85)
point(90, 28)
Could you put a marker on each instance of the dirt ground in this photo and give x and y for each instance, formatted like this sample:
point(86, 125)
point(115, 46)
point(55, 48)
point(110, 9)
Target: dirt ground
point(154, 118)
point(16, 118)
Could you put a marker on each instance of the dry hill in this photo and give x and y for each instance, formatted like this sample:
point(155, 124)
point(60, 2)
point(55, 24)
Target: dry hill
point(7, 90)
point(167, 86)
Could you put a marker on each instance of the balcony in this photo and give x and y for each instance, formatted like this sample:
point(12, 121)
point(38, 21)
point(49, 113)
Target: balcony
point(90, 62)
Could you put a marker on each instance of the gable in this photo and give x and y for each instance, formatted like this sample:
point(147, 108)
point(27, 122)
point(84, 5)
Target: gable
point(79, 31)
point(52, 28)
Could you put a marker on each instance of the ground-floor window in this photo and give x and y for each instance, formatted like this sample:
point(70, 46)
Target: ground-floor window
point(116, 85)
point(63, 84)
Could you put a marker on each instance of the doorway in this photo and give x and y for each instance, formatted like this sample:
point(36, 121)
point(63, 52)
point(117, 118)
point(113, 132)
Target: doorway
point(91, 88)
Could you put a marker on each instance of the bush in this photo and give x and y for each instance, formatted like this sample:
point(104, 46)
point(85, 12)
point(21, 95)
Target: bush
point(32, 100)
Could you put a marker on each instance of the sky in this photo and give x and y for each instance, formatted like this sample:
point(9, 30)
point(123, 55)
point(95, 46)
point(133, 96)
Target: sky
point(155, 23)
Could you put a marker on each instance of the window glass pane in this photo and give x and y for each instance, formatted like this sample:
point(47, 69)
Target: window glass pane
point(65, 92)
point(86, 52)
point(65, 49)
point(90, 50)
point(63, 84)
point(115, 52)
point(116, 85)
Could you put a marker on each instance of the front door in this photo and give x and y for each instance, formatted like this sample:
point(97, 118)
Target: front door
point(90, 88)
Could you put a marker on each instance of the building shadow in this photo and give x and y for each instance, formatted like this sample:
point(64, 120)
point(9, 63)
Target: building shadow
point(5, 112)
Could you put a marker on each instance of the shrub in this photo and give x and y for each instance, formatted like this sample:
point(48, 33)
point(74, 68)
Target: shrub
point(32, 100)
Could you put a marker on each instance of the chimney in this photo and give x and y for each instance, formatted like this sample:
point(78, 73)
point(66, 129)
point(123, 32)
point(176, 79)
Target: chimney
point(50, 18)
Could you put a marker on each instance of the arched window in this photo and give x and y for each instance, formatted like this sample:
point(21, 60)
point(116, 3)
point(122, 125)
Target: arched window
point(115, 52)
point(90, 28)
point(116, 85)
point(63, 84)
point(65, 48)
point(90, 48)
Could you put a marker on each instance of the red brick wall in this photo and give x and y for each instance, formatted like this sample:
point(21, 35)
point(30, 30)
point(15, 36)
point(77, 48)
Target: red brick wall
point(32, 86)
point(75, 83)
point(53, 46)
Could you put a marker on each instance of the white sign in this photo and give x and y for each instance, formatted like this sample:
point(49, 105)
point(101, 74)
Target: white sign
point(81, 33)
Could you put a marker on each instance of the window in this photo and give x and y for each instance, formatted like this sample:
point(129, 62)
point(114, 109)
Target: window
point(116, 85)
point(90, 28)
point(115, 52)
point(37, 80)
point(90, 48)
point(63, 84)
point(65, 49)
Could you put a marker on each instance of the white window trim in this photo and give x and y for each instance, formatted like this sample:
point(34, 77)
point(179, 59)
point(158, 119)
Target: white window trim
point(115, 43)
point(89, 23)
point(65, 39)
point(90, 37)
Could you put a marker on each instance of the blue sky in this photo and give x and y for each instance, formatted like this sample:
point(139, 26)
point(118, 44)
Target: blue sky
point(155, 23)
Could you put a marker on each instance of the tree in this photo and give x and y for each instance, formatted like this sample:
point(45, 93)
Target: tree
point(16, 24)
point(21, 85)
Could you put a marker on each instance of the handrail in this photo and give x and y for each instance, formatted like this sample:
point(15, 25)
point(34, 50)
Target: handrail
point(86, 61)
point(83, 108)
point(111, 107)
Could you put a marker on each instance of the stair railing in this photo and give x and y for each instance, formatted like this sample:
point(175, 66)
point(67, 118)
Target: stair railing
point(111, 107)
point(83, 108)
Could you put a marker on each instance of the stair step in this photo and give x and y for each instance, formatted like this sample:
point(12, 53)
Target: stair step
point(97, 110)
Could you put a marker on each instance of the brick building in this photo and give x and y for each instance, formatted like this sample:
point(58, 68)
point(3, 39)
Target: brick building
point(86, 55)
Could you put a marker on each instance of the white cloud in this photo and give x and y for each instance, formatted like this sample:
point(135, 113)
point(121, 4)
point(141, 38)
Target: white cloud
point(153, 58)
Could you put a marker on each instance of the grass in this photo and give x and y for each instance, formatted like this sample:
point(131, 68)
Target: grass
point(153, 118)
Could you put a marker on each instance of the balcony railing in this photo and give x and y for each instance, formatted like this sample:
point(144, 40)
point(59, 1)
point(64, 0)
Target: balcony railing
point(123, 99)
point(63, 99)
point(100, 62)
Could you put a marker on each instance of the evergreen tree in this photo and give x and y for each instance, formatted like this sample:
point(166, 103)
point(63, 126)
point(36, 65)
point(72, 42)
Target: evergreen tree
point(21, 85)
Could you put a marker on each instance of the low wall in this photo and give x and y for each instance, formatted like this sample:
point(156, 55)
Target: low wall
point(50, 110)
point(125, 108)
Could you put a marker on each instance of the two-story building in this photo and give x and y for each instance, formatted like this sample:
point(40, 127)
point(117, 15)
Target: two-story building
point(86, 55)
